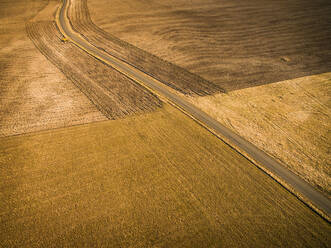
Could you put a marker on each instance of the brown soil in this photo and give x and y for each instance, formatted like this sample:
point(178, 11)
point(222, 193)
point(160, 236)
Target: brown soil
point(111, 92)
point(234, 44)
point(170, 74)
point(34, 95)
point(154, 180)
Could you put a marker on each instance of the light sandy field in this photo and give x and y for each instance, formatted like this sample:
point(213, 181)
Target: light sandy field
point(115, 95)
point(157, 179)
point(34, 95)
point(289, 120)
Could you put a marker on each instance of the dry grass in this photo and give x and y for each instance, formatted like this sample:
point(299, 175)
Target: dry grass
point(170, 74)
point(157, 180)
point(34, 95)
point(289, 120)
point(233, 44)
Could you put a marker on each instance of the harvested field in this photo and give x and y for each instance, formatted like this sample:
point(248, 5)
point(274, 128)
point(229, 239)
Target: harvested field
point(34, 94)
point(168, 73)
point(233, 44)
point(289, 120)
point(157, 179)
point(112, 93)
point(239, 45)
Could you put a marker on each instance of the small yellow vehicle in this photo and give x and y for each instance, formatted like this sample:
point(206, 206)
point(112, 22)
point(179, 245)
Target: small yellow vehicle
point(64, 39)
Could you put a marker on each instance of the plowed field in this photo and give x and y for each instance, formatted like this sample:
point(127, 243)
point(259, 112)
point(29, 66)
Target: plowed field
point(233, 44)
point(168, 73)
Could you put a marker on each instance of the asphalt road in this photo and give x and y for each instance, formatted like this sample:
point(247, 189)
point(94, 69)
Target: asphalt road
point(293, 182)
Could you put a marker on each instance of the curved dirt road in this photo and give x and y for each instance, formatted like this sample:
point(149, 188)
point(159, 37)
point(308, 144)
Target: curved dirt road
point(292, 182)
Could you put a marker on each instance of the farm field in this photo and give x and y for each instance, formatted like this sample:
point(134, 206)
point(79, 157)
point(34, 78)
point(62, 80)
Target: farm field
point(170, 74)
point(112, 93)
point(90, 158)
point(157, 179)
point(34, 94)
point(279, 48)
point(289, 120)
point(232, 44)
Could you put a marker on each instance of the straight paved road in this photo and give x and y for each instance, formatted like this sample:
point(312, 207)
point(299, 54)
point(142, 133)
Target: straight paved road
point(321, 203)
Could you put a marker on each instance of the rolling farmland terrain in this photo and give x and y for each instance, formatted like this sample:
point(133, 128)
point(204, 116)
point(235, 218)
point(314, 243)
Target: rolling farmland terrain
point(157, 179)
point(91, 158)
point(237, 46)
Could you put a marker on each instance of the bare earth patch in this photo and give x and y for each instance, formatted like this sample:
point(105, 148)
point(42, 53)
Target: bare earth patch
point(289, 120)
point(35, 95)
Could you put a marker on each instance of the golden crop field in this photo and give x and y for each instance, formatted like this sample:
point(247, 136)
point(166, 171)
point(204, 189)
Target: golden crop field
point(290, 120)
point(157, 179)
point(90, 158)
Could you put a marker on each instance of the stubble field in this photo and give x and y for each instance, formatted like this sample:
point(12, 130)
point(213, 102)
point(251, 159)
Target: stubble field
point(157, 179)
point(290, 120)
point(34, 94)
point(152, 179)
point(238, 46)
